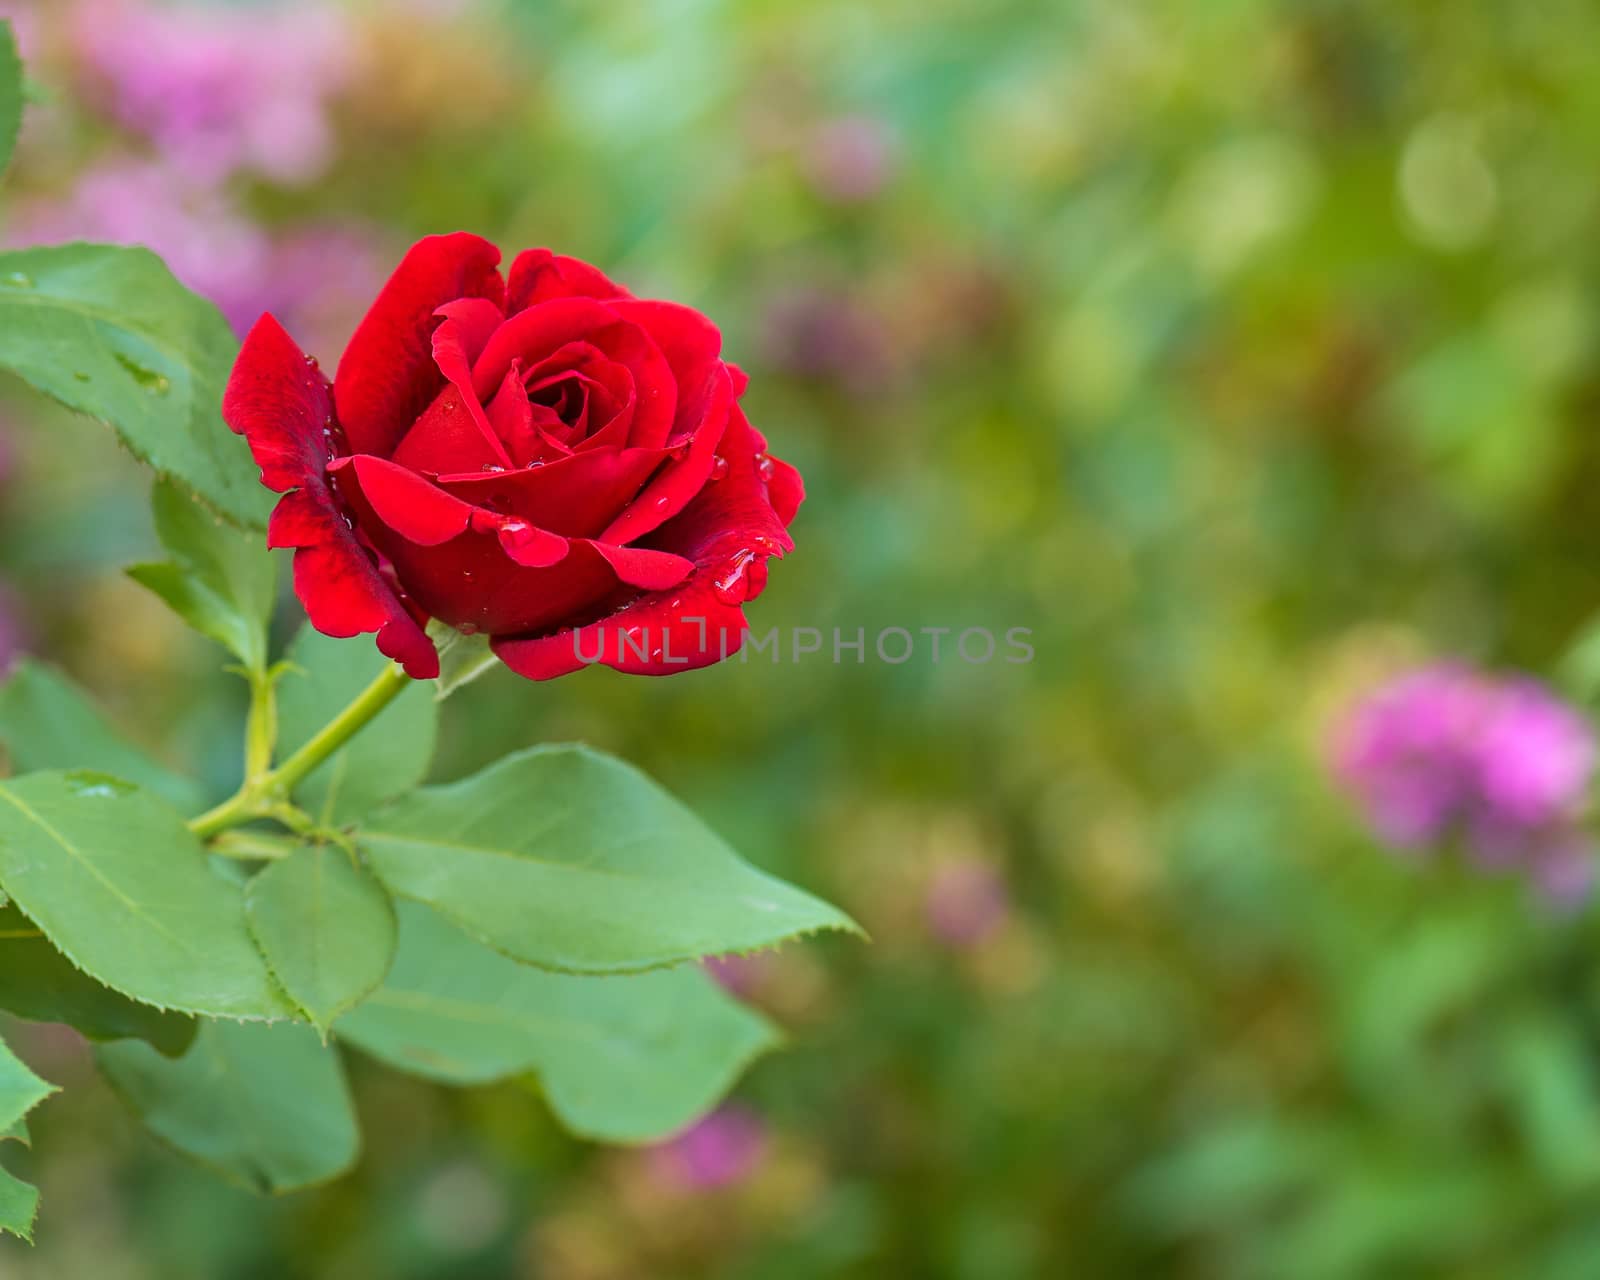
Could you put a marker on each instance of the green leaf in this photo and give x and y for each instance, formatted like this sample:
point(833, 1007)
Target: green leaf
point(10, 94)
point(20, 1092)
point(47, 722)
point(124, 890)
point(563, 857)
point(462, 658)
point(221, 582)
point(19, 1205)
point(621, 1059)
point(386, 759)
point(267, 1107)
point(109, 333)
point(326, 929)
point(39, 984)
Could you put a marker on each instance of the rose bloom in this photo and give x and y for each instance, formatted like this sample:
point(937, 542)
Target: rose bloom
point(544, 459)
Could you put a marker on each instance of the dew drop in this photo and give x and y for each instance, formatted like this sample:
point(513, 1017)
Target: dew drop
point(468, 628)
point(313, 363)
point(719, 467)
point(97, 786)
point(493, 468)
point(18, 280)
point(765, 468)
point(729, 586)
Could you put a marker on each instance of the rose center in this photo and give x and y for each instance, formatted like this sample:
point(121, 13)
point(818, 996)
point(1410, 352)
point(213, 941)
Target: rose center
point(563, 394)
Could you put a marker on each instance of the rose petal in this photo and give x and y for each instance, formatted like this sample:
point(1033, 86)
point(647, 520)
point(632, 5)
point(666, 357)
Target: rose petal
point(659, 635)
point(786, 490)
point(463, 332)
point(540, 276)
point(285, 409)
point(402, 500)
point(535, 334)
point(445, 438)
point(387, 375)
point(531, 546)
point(475, 582)
point(728, 532)
point(574, 496)
point(608, 395)
point(473, 321)
point(679, 481)
point(641, 567)
point(691, 344)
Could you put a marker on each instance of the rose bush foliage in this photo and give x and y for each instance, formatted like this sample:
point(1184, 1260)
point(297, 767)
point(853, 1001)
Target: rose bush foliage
point(541, 458)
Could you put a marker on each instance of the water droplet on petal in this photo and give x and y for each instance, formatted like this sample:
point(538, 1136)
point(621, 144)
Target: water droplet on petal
point(764, 468)
point(719, 467)
point(312, 363)
point(730, 586)
point(493, 468)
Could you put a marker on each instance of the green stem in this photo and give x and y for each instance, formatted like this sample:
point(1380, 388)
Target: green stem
point(266, 795)
point(261, 725)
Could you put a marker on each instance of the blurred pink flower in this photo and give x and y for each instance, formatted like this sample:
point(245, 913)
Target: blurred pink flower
point(14, 637)
point(966, 903)
point(1446, 750)
point(319, 282)
point(824, 333)
point(318, 279)
point(207, 244)
point(723, 1148)
point(740, 975)
point(850, 159)
point(225, 89)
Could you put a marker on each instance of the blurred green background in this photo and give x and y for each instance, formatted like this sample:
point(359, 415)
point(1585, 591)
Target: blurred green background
point(1238, 349)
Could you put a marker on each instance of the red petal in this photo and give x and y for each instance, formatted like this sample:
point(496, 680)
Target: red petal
point(785, 490)
point(445, 438)
point(539, 276)
point(388, 376)
point(678, 481)
point(657, 636)
point(691, 344)
point(463, 332)
point(531, 546)
point(574, 496)
point(728, 532)
point(402, 500)
point(540, 331)
point(284, 408)
point(643, 568)
point(473, 582)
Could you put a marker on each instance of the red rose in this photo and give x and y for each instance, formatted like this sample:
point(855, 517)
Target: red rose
point(550, 461)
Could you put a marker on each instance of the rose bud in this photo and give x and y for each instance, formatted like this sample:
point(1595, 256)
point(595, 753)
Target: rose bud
point(545, 459)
